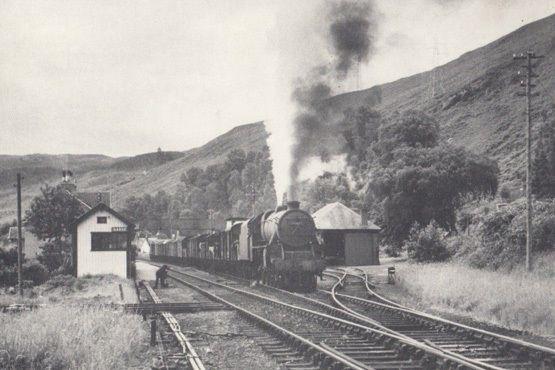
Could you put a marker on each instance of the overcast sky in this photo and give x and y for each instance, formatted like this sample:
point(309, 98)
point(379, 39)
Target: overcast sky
point(126, 77)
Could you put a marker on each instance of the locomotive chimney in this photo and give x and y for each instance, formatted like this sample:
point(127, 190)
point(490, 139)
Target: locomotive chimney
point(293, 204)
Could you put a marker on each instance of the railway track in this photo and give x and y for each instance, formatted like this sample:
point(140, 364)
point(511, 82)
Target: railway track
point(187, 351)
point(483, 348)
point(327, 339)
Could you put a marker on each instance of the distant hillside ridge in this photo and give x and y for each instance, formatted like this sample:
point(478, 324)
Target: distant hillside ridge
point(122, 177)
point(145, 161)
point(474, 96)
point(167, 176)
point(81, 161)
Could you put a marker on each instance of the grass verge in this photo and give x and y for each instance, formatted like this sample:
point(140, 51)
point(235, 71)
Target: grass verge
point(78, 338)
point(518, 300)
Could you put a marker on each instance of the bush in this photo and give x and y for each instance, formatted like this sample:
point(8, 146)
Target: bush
point(427, 244)
point(54, 255)
point(498, 239)
point(8, 257)
point(35, 272)
point(392, 250)
point(505, 193)
point(8, 276)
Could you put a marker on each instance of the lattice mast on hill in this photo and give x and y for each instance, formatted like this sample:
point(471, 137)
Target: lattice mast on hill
point(529, 56)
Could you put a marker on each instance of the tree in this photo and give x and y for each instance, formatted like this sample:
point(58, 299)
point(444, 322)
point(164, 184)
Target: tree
point(192, 176)
point(51, 214)
point(417, 180)
point(236, 160)
point(50, 217)
point(412, 129)
point(329, 188)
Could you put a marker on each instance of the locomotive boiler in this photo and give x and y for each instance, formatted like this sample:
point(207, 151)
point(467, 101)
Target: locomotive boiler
point(288, 257)
point(277, 247)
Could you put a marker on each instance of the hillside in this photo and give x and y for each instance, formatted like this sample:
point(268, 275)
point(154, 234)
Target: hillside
point(123, 177)
point(144, 161)
point(473, 97)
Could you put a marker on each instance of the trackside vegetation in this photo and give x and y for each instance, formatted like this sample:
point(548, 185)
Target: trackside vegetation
point(88, 338)
point(516, 300)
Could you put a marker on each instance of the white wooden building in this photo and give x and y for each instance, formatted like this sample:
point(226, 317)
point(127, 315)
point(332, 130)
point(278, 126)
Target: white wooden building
point(102, 243)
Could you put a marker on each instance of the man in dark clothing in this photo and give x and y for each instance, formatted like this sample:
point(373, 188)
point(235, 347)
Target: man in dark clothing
point(161, 275)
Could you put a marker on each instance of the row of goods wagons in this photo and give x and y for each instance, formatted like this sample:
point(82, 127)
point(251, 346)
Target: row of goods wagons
point(219, 245)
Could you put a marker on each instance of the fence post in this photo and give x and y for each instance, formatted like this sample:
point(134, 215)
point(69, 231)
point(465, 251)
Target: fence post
point(153, 332)
point(391, 275)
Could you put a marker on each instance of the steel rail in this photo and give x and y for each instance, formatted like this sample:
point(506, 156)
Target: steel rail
point(407, 342)
point(424, 315)
point(353, 315)
point(186, 346)
point(333, 357)
point(335, 298)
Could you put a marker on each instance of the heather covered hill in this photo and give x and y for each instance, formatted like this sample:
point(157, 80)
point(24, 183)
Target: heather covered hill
point(123, 184)
point(123, 177)
point(81, 161)
point(473, 97)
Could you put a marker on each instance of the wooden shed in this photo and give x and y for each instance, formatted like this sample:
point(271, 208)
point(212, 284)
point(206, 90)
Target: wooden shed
point(101, 241)
point(345, 237)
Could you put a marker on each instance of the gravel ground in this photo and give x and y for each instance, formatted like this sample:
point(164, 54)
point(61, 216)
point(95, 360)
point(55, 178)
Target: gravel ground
point(222, 343)
point(218, 336)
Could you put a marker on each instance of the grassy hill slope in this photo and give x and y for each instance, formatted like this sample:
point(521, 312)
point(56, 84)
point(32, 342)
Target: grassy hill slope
point(473, 97)
point(123, 177)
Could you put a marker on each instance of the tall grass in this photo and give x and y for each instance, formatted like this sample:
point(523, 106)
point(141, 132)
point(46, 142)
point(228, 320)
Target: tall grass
point(518, 300)
point(59, 337)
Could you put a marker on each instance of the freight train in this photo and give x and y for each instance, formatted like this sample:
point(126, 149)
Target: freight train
point(278, 247)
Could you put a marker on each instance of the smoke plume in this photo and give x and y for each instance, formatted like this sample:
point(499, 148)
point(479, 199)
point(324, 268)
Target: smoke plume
point(350, 34)
point(350, 41)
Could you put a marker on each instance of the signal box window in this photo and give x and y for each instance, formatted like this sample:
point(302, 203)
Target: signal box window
point(115, 241)
point(102, 220)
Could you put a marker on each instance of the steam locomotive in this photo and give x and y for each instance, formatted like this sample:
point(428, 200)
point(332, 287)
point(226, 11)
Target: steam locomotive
point(278, 247)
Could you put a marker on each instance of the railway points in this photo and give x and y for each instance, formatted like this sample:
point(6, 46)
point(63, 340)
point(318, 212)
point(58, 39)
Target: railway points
point(405, 353)
point(477, 347)
point(491, 349)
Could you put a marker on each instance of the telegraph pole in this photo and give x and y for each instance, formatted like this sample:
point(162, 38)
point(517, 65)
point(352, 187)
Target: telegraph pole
point(19, 237)
point(529, 56)
point(251, 192)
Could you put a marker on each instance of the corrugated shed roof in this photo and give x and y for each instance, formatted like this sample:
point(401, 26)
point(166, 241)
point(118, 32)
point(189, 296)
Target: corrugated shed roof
point(337, 216)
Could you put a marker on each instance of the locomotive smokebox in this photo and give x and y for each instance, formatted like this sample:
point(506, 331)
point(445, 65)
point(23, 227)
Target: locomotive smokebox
point(293, 204)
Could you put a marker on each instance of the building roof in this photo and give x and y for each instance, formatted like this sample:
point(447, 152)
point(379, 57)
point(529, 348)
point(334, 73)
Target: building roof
point(31, 243)
point(337, 216)
point(93, 198)
point(12, 233)
point(101, 207)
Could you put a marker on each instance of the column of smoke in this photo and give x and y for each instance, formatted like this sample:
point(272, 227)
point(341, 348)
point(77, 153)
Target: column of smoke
point(318, 47)
point(350, 27)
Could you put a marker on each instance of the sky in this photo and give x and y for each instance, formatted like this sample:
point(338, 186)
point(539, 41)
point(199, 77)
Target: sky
point(128, 76)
